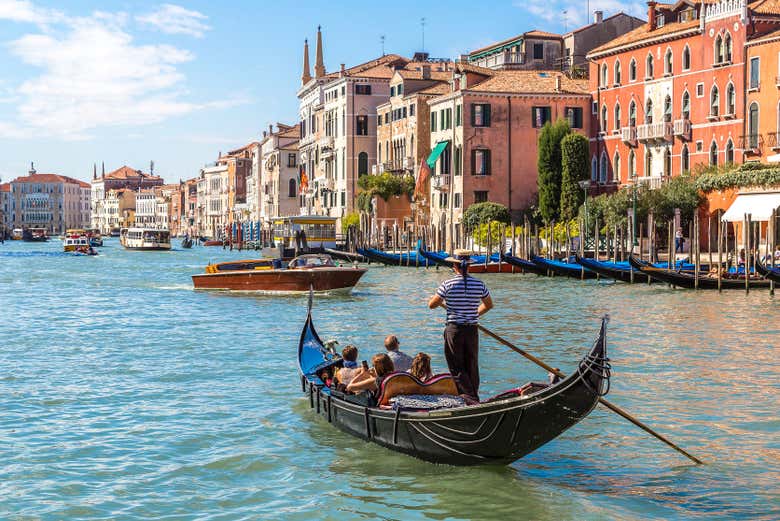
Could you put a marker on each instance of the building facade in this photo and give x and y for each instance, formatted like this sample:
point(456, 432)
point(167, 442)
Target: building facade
point(123, 178)
point(51, 201)
point(279, 190)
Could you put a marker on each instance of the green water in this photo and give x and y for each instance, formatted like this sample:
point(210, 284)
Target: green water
point(124, 394)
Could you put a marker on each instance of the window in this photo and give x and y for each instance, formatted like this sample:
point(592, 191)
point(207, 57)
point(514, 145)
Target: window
point(667, 162)
point(668, 62)
point(729, 152)
point(686, 58)
point(480, 196)
point(649, 67)
point(603, 118)
point(632, 114)
point(603, 170)
point(456, 200)
point(731, 100)
point(649, 111)
point(573, 116)
point(433, 121)
point(442, 121)
point(379, 153)
point(411, 110)
point(753, 125)
point(718, 50)
point(399, 89)
point(540, 116)
point(617, 73)
point(648, 162)
point(668, 109)
point(538, 51)
point(604, 80)
point(379, 120)
point(699, 90)
point(458, 115)
point(594, 169)
point(714, 101)
point(448, 118)
point(480, 161)
point(343, 198)
point(685, 162)
point(699, 146)
point(362, 164)
point(480, 114)
point(714, 153)
point(362, 125)
point(362, 89)
point(727, 48)
point(458, 160)
point(616, 167)
point(291, 160)
point(754, 73)
point(632, 70)
point(445, 160)
point(392, 91)
point(685, 111)
point(292, 188)
point(387, 118)
point(631, 164)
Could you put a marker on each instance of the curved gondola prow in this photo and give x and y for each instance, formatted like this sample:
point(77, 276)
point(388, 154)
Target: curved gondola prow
point(765, 271)
point(310, 346)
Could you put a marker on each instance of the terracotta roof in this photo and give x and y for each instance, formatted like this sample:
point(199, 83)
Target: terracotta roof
point(530, 82)
point(239, 151)
point(414, 74)
point(535, 33)
point(642, 33)
point(49, 178)
point(5, 187)
point(758, 38)
point(294, 131)
point(607, 19)
point(766, 7)
point(125, 171)
point(436, 90)
point(371, 68)
point(468, 67)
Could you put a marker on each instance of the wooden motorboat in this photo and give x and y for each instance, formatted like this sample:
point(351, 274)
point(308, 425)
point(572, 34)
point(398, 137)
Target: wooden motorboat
point(496, 431)
point(317, 271)
point(214, 242)
point(683, 279)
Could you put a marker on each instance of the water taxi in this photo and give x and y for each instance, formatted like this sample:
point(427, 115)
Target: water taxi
point(34, 235)
point(16, 235)
point(145, 238)
point(77, 245)
point(304, 232)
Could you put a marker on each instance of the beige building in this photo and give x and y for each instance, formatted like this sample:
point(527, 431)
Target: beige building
point(279, 187)
point(123, 178)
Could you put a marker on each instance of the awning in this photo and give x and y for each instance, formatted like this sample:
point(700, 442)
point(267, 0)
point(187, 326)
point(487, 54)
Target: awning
point(436, 152)
point(759, 206)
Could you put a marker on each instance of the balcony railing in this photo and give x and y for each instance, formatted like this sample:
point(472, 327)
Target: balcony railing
point(773, 140)
point(441, 183)
point(398, 164)
point(682, 128)
point(502, 59)
point(751, 143)
point(651, 182)
point(654, 131)
point(628, 135)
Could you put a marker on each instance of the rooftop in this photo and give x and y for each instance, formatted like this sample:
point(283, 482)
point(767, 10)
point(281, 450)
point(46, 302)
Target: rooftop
point(531, 82)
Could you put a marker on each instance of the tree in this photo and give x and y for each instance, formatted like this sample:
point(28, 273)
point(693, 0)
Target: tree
point(575, 165)
point(549, 167)
point(482, 213)
point(351, 219)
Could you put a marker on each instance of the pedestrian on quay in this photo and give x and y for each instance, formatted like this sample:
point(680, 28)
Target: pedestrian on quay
point(465, 299)
point(679, 241)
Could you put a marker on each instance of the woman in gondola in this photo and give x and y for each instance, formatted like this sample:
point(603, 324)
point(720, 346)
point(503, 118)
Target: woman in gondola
point(371, 379)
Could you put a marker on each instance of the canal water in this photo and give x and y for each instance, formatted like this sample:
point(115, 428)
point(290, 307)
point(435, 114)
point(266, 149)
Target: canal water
point(124, 394)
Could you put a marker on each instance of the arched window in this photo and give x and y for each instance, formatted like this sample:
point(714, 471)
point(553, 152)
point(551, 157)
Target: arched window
point(603, 118)
point(632, 114)
point(718, 49)
point(727, 48)
point(362, 164)
point(617, 72)
point(292, 188)
point(379, 154)
point(668, 62)
point(686, 58)
point(667, 162)
point(648, 162)
point(604, 75)
point(649, 67)
point(753, 125)
point(632, 70)
point(594, 169)
point(685, 109)
point(714, 101)
point(668, 109)
point(616, 167)
point(685, 164)
point(631, 164)
point(649, 111)
point(714, 153)
point(731, 100)
point(617, 116)
point(729, 151)
point(604, 166)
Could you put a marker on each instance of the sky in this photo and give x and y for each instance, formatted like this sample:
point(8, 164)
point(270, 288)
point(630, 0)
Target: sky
point(125, 83)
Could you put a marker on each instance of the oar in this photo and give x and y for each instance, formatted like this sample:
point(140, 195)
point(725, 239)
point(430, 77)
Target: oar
point(608, 405)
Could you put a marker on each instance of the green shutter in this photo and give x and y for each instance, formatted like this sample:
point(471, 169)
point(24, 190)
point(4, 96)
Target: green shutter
point(486, 111)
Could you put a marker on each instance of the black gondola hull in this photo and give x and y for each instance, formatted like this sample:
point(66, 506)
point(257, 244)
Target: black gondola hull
point(573, 271)
point(525, 265)
point(613, 273)
point(688, 280)
point(767, 272)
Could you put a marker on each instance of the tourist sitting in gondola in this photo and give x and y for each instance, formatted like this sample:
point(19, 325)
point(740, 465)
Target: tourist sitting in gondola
point(421, 367)
point(346, 374)
point(371, 379)
point(401, 361)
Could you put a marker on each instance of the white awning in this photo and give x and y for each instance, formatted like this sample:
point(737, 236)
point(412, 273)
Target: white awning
point(759, 206)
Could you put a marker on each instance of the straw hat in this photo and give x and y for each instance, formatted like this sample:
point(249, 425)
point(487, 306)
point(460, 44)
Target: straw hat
point(459, 256)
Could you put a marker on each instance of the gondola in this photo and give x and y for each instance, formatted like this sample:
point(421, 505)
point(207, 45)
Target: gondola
point(186, 242)
point(496, 431)
point(494, 265)
point(613, 270)
point(566, 269)
point(394, 259)
point(767, 272)
point(525, 265)
point(345, 255)
point(683, 279)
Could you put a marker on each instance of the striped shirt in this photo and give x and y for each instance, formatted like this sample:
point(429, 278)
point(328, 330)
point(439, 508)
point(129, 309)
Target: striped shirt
point(462, 299)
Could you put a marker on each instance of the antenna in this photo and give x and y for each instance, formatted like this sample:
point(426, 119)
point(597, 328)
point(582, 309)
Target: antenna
point(422, 25)
point(565, 21)
point(382, 41)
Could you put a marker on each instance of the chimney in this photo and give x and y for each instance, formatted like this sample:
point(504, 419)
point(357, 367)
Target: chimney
point(558, 83)
point(651, 15)
point(319, 65)
point(270, 129)
point(598, 17)
point(343, 68)
point(265, 133)
point(306, 76)
point(426, 72)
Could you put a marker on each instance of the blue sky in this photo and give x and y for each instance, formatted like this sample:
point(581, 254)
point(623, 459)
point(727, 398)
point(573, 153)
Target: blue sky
point(129, 82)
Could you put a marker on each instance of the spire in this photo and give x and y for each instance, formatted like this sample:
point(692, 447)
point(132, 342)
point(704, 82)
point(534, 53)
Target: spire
point(319, 67)
point(94, 170)
point(306, 77)
point(103, 169)
point(32, 168)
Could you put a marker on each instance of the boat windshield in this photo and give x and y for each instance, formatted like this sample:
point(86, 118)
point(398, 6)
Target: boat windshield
point(311, 261)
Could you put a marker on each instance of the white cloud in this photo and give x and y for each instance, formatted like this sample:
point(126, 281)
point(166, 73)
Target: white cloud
point(174, 19)
point(25, 11)
point(576, 10)
point(95, 76)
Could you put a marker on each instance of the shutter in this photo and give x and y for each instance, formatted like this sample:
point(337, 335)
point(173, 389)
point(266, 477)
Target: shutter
point(486, 156)
point(473, 116)
point(486, 112)
point(473, 161)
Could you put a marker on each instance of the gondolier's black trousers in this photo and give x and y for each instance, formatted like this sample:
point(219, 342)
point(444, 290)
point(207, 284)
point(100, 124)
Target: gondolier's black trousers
point(461, 349)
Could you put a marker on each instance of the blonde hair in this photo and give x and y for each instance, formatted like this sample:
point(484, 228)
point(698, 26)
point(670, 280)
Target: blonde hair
point(421, 366)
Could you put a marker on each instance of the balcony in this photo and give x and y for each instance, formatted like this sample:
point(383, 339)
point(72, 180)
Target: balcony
point(773, 140)
point(326, 183)
point(682, 128)
point(441, 183)
point(628, 135)
point(505, 60)
point(651, 182)
point(751, 144)
point(661, 131)
point(398, 164)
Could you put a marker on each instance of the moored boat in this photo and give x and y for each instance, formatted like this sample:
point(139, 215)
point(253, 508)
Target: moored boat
point(34, 235)
point(684, 279)
point(768, 272)
point(186, 242)
point(524, 265)
point(411, 259)
point(138, 238)
point(614, 270)
point(78, 245)
point(345, 255)
point(317, 271)
point(566, 269)
point(496, 431)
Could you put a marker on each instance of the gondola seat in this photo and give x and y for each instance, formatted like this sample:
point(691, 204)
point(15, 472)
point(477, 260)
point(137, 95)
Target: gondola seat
point(398, 384)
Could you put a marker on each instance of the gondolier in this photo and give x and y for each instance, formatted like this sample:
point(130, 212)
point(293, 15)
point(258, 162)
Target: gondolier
point(465, 299)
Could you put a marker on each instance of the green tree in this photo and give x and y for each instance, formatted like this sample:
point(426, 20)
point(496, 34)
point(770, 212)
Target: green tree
point(351, 219)
point(482, 213)
point(575, 165)
point(549, 167)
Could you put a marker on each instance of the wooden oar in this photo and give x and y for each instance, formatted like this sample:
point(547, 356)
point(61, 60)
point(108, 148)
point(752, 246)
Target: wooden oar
point(608, 405)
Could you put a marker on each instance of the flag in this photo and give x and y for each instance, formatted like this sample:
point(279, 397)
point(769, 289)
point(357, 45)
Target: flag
point(422, 178)
point(304, 184)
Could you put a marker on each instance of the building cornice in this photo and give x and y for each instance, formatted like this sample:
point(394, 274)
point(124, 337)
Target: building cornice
point(644, 43)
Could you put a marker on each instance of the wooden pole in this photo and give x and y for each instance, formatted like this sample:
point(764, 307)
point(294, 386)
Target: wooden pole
point(596, 240)
point(602, 401)
point(720, 254)
point(771, 226)
point(745, 249)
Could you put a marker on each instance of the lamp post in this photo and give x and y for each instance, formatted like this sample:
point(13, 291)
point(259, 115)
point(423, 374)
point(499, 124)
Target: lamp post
point(585, 185)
